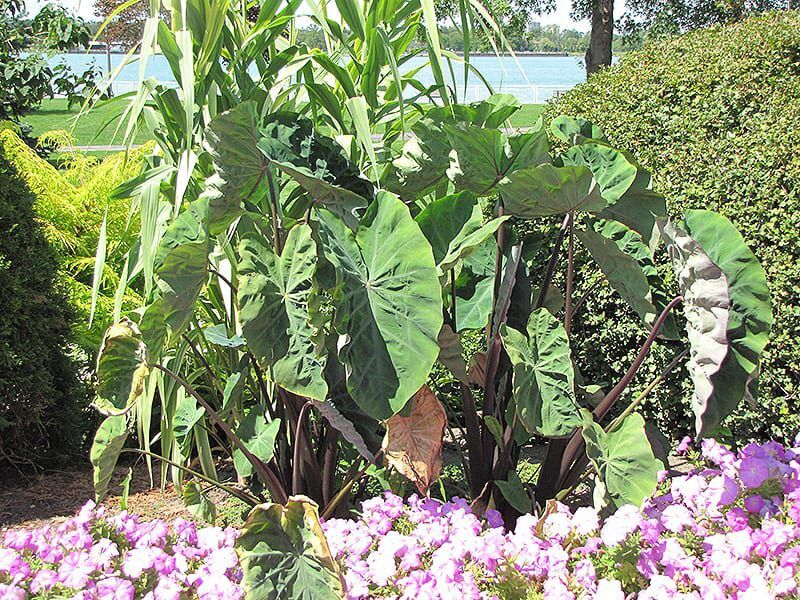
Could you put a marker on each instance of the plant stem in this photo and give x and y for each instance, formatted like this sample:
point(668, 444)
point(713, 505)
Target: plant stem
point(585, 296)
point(276, 223)
point(243, 496)
point(651, 386)
point(270, 479)
point(298, 432)
point(570, 273)
point(575, 446)
point(551, 264)
point(342, 493)
point(612, 396)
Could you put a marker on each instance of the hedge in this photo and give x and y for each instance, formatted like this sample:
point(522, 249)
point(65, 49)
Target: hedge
point(715, 116)
point(41, 399)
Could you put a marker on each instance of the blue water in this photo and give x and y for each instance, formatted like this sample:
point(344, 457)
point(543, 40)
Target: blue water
point(531, 78)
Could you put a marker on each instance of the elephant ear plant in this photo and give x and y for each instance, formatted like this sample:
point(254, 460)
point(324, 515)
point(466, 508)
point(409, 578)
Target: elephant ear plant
point(315, 304)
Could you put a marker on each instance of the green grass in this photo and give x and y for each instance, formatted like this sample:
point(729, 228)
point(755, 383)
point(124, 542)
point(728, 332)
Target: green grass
point(87, 129)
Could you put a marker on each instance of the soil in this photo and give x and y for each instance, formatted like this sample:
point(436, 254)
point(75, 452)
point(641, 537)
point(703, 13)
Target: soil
point(34, 500)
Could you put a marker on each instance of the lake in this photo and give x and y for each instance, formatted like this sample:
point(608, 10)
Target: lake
point(531, 78)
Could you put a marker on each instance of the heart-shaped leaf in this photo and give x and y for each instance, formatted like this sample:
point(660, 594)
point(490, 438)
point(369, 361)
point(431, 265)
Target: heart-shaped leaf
point(198, 504)
point(575, 130)
point(182, 265)
point(546, 190)
point(727, 308)
point(232, 138)
point(614, 171)
point(628, 265)
point(388, 304)
point(258, 436)
point(284, 554)
point(623, 459)
point(544, 388)
point(106, 447)
point(413, 444)
point(454, 227)
point(482, 157)
point(273, 297)
point(121, 368)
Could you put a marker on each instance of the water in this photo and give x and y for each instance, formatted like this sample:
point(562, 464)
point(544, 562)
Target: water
point(530, 78)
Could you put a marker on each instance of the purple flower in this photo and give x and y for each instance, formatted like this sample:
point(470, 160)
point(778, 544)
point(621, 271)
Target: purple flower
point(754, 470)
point(114, 588)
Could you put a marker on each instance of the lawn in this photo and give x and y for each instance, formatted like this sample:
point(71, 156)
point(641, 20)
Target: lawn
point(88, 129)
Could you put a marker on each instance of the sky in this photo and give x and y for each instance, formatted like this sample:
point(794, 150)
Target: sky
point(85, 8)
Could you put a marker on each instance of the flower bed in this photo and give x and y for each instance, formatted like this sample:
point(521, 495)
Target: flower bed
point(96, 555)
point(727, 529)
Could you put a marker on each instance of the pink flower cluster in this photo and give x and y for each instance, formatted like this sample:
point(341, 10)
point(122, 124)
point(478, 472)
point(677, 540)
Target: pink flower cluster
point(727, 529)
point(99, 556)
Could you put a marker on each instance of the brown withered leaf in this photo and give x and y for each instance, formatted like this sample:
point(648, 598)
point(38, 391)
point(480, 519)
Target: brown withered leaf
point(477, 369)
point(413, 444)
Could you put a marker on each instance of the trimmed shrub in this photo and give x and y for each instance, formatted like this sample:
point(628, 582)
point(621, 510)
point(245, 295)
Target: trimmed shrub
point(715, 116)
point(41, 399)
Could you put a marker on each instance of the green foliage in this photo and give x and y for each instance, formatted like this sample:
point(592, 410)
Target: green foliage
point(42, 403)
point(26, 76)
point(71, 204)
point(682, 108)
point(544, 385)
point(623, 459)
point(284, 553)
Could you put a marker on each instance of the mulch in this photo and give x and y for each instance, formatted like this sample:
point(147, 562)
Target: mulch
point(28, 501)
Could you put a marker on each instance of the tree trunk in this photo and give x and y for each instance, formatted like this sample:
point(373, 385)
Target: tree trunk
point(602, 35)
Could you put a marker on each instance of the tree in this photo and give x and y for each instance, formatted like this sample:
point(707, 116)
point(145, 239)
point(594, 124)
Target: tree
point(127, 26)
point(668, 17)
point(26, 76)
point(601, 37)
point(513, 17)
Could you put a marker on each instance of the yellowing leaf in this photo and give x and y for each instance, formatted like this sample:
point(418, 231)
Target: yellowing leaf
point(413, 444)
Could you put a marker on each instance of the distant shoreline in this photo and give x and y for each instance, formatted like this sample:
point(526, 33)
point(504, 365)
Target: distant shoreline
point(103, 52)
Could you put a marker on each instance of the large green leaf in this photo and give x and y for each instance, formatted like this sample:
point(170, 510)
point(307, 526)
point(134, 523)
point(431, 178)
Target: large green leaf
point(186, 416)
point(198, 504)
point(728, 311)
point(544, 380)
point(339, 200)
point(422, 164)
point(613, 170)
point(640, 210)
point(623, 459)
point(474, 303)
point(454, 227)
point(106, 447)
point(514, 492)
point(121, 368)
point(291, 143)
point(574, 130)
point(232, 138)
point(425, 158)
point(389, 305)
point(258, 436)
point(546, 190)
point(482, 157)
point(273, 297)
point(182, 265)
point(284, 554)
point(628, 265)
